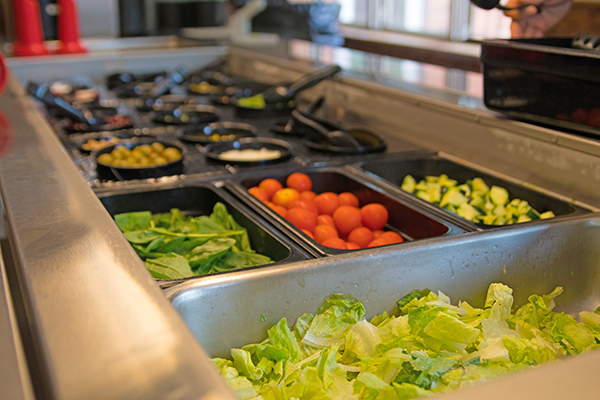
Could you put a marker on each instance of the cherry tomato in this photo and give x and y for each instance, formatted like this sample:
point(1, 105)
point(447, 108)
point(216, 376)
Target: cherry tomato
point(324, 232)
point(346, 218)
point(352, 246)
point(580, 116)
point(361, 236)
point(299, 181)
point(306, 204)
point(374, 216)
point(302, 219)
point(379, 242)
point(307, 233)
point(348, 199)
point(325, 220)
point(279, 210)
point(308, 195)
point(270, 186)
point(335, 243)
point(327, 203)
point(285, 197)
point(259, 193)
point(377, 233)
point(391, 237)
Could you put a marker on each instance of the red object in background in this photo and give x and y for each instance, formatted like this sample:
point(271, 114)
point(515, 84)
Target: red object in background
point(28, 29)
point(68, 28)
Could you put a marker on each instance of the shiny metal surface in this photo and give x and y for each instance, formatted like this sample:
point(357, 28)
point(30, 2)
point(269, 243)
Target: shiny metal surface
point(100, 327)
point(225, 312)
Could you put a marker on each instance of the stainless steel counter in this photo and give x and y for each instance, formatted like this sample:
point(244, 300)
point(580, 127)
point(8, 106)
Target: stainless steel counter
point(99, 327)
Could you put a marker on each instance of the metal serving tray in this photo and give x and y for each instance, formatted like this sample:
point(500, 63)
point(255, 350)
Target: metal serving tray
point(200, 199)
point(394, 170)
point(224, 312)
point(411, 222)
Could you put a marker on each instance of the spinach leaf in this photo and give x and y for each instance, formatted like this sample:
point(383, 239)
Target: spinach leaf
point(209, 251)
point(239, 259)
point(141, 237)
point(172, 266)
point(134, 221)
point(242, 240)
point(220, 215)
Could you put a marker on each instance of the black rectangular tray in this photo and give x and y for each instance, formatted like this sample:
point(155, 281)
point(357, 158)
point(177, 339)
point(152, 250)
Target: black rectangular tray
point(544, 80)
point(408, 220)
point(200, 199)
point(394, 171)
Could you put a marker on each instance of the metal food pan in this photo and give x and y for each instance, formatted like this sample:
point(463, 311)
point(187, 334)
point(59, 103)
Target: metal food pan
point(199, 199)
point(225, 312)
point(394, 171)
point(404, 218)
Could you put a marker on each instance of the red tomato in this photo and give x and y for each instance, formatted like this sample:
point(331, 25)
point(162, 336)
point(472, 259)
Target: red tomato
point(259, 193)
point(306, 204)
point(580, 116)
point(325, 220)
point(307, 233)
point(279, 210)
point(299, 181)
point(285, 197)
point(327, 203)
point(348, 199)
point(346, 218)
point(391, 237)
point(324, 232)
point(377, 233)
point(335, 243)
point(302, 219)
point(374, 216)
point(270, 186)
point(352, 246)
point(379, 242)
point(308, 195)
point(361, 236)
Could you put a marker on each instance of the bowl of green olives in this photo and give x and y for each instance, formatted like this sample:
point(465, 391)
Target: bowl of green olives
point(139, 160)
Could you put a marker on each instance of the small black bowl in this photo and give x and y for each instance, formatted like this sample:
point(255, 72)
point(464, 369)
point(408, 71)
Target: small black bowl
point(370, 143)
point(167, 102)
point(125, 135)
point(112, 173)
point(214, 151)
point(187, 115)
point(217, 132)
point(270, 110)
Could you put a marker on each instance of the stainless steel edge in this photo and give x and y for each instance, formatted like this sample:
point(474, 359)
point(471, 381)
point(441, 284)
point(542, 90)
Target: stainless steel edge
point(100, 327)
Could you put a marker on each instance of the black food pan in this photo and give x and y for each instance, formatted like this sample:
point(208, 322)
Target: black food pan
point(123, 173)
point(199, 199)
point(394, 171)
point(215, 151)
point(186, 115)
point(404, 218)
point(217, 132)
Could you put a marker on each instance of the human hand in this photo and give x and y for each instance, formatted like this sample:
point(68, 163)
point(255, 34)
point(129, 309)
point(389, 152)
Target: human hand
point(528, 23)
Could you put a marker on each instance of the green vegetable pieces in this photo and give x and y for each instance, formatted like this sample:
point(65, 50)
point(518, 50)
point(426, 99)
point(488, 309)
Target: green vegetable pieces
point(174, 246)
point(431, 347)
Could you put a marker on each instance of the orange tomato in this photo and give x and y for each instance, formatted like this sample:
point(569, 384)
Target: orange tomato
point(285, 197)
point(335, 243)
point(352, 246)
point(379, 242)
point(280, 210)
point(348, 199)
point(324, 232)
point(346, 219)
point(307, 233)
point(302, 219)
point(361, 236)
point(327, 203)
point(374, 216)
point(299, 181)
point(270, 186)
point(377, 233)
point(391, 237)
point(325, 220)
point(308, 195)
point(259, 193)
point(306, 204)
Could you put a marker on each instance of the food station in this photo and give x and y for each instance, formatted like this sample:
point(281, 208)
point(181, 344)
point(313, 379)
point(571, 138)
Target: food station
point(132, 179)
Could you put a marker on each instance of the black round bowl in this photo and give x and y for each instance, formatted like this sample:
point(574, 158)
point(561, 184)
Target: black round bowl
point(214, 151)
point(225, 132)
point(186, 115)
point(124, 135)
point(273, 110)
point(370, 143)
point(167, 102)
point(112, 173)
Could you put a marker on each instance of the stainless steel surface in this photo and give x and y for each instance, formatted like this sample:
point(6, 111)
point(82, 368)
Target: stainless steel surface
point(225, 312)
point(14, 376)
point(100, 327)
point(99, 18)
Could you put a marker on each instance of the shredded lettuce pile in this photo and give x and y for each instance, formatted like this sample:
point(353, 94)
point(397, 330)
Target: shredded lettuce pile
point(431, 347)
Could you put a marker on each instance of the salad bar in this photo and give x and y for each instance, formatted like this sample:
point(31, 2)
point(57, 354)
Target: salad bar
point(185, 210)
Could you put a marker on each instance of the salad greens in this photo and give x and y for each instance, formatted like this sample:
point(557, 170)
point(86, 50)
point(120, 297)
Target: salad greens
point(175, 246)
point(473, 200)
point(431, 347)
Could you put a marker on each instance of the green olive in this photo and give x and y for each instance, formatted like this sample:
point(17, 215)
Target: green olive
point(145, 149)
point(160, 160)
point(158, 147)
point(105, 158)
point(172, 154)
